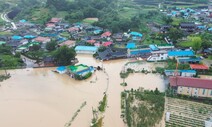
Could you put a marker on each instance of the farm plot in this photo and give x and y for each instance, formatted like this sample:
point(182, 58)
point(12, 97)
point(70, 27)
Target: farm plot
point(186, 113)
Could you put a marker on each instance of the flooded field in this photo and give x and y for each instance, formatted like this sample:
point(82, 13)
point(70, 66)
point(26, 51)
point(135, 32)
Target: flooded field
point(42, 98)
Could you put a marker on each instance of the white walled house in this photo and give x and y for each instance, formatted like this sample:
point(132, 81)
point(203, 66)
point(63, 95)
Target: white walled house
point(158, 56)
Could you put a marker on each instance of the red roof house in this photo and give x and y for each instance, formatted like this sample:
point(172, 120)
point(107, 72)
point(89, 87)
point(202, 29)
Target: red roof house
point(106, 34)
point(199, 67)
point(91, 41)
point(106, 44)
point(191, 82)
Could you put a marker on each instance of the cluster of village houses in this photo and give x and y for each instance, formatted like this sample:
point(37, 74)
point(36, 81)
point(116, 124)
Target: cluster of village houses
point(88, 39)
point(201, 15)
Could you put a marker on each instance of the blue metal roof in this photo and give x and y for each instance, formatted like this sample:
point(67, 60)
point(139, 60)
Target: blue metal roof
point(86, 48)
point(189, 59)
point(15, 37)
point(174, 12)
point(136, 34)
point(61, 68)
point(29, 36)
point(185, 71)
point(137, 52)
point(97, 31)
point(210, 29)
point(188, 71)
point(131, 45)
point(201, 27)
point(181, 53)
point(22, 21)
point(153, 47)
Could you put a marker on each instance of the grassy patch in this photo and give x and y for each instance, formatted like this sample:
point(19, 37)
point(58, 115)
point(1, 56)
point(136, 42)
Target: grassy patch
point(177, 21)
point(209, 57)
point(89, 21)
point(65, 34)
point(142, 108)
point(185, 44)
point(5, 33)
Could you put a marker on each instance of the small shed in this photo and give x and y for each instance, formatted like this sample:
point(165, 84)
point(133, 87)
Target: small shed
point(154, 47)
point(61, 69)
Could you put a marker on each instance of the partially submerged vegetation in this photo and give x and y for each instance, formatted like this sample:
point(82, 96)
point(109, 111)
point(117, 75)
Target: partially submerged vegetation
point(142, 108)
point(97, 120)
point(68, 124)
point(4, 77)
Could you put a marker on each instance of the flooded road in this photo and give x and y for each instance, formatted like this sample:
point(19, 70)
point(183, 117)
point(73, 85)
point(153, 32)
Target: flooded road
point(42, 98)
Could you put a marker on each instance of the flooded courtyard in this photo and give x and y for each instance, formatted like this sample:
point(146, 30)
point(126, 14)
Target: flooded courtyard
point(42, 98)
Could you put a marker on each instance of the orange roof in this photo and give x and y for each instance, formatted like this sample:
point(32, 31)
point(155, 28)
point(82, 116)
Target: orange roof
point(68, 43)
point(71, 29)
point(50, 25)
point(106, 34)
point(199, 67)
point(42, 39)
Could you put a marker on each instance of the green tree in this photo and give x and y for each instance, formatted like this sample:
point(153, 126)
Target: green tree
point(5, 50)
point(167, 20)
point(206, 40)
point(36, 55)
point(8, 61)
point(196, 43)
point(51, 46)
point(64, 55)
point(175, 34)
point(34, 47)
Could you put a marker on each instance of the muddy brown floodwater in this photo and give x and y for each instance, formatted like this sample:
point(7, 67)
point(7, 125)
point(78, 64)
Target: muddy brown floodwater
point(42, 98)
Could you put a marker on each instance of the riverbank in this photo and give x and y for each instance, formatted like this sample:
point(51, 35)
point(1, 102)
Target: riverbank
point(43, 98)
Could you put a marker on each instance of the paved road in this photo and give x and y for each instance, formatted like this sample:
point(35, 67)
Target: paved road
point(5, 18)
